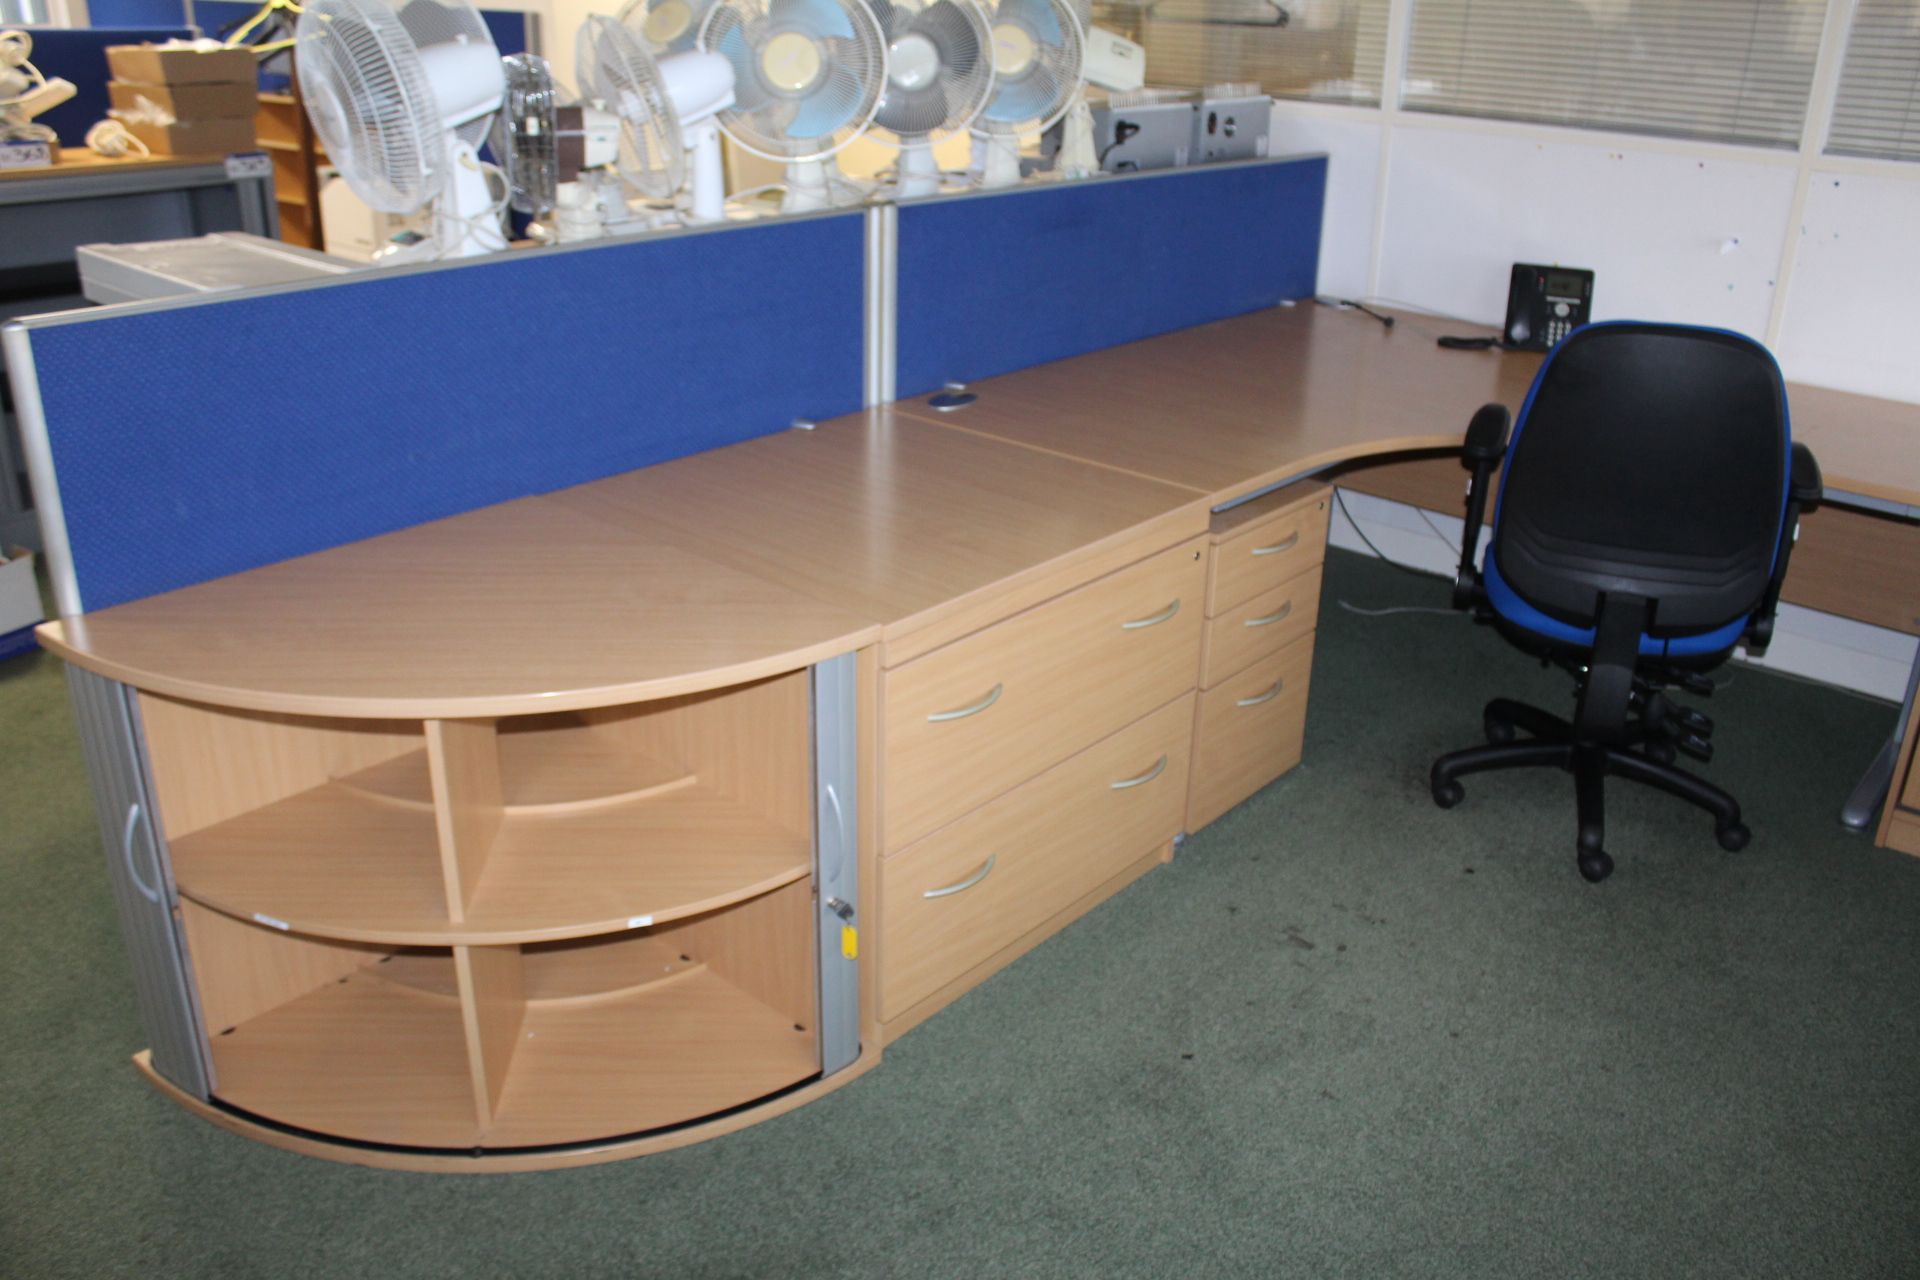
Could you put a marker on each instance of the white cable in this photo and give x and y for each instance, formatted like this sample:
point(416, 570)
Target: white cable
point(112, 139)
point(15, 47)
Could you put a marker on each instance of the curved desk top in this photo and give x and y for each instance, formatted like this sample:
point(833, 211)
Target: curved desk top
point(901, 525)
point(1239, 405)
point(521, 608)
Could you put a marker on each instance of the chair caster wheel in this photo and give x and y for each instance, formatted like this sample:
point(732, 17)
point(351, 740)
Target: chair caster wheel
point(1734, 836)
point(1499, 732)
point(1661, 752)
point(1448, 794)
point(1596, 866)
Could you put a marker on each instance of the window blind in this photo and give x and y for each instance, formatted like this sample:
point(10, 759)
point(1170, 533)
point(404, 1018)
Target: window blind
point(1723, 70)
point(1328, 50)
point(1877, 112)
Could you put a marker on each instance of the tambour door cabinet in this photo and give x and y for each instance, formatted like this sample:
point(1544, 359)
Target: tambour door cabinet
point(397, 901)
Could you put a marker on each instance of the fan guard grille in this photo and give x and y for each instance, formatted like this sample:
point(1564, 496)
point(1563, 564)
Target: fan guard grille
point(677, 20)
point(620, 71)
point(835, 106)
point(432, 22)
point(958, 32)
point(1032, 97)
point(524, 134)
point(368, 97)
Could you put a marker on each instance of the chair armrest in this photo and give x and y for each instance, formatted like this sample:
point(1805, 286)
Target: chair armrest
point(1804, 492)
point(1486, 443)
point(1487, 434)
point(1804, 488)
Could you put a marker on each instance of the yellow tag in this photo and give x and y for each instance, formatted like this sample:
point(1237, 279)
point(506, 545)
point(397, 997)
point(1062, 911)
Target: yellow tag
point(849, 942)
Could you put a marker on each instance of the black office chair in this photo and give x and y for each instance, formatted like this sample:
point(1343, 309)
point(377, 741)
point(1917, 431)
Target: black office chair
point(1649, 501)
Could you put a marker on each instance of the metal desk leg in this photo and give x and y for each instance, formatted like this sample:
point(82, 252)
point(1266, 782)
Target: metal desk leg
point(1863, 803)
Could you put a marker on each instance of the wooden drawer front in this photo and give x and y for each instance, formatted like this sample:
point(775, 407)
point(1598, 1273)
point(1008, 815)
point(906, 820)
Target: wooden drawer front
point(1260, 626)
point(1248, 731)
point(1262, 557)
point(1003, 869)
point(1903, 833)
point(1045, 683)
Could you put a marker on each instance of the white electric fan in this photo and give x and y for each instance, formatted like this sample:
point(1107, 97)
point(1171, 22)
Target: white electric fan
point(551, 151)
point(1113, 63)
point(1037, 59)
point(666, 109)
point(401, 100)
point(939, 76)
point(667, 26)
point(807, 80)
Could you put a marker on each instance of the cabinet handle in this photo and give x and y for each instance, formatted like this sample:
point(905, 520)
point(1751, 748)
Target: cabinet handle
point(1284, 610)
point(1155, 620)
point(1159, 767)
point(1287, 543)
point(963, 885)
point(1259, 698)
point(993, 696)
point(147, 891)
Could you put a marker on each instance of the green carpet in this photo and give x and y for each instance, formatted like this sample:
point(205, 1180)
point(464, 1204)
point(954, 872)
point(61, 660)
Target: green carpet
point(1345, 1033)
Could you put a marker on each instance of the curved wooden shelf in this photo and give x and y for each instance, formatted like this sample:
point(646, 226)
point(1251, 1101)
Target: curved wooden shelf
point(340, 862)
point(687, 1046)
point(548, 772)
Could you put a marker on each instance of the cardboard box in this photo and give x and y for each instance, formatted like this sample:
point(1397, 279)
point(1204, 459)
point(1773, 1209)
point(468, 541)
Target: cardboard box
point(150, 64)
point(195, 137)
point(19, 602)
point(186, 101)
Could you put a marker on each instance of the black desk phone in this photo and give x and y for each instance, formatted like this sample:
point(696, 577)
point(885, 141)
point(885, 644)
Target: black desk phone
point(1545, 304)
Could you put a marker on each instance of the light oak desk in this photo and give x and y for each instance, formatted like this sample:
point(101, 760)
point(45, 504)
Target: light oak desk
point(493, 834)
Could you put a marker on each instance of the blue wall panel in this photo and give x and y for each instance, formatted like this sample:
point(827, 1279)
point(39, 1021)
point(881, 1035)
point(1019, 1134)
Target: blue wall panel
point(993, 283)
point(339, 412)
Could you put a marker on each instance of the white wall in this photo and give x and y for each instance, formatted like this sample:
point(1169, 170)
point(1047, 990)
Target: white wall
point(1821, 261)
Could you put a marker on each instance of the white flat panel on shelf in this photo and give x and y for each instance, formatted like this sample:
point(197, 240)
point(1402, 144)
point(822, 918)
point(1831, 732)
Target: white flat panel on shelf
point(1668, 235)
point(1353, 179)
point(1850, 316)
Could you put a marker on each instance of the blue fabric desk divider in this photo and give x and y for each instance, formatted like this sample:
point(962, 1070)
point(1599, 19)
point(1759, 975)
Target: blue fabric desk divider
point(194, 440)
point(994, 282)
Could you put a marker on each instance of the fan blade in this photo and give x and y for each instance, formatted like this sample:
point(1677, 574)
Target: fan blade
point(1040, 17)
point(1032, 97)
point(956, 38)
point(833, 104)
point(914, 112)
point(822, 18)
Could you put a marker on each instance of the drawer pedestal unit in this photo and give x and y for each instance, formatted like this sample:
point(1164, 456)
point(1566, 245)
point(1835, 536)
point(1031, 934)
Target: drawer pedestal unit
point(1029, 770)
point(449, 939)
point(1900, 817)
point(1263, 600)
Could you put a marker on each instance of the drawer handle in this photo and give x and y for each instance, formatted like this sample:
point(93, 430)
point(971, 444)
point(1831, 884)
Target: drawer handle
point(1155, 620)
point(1287, 543)
point(1284, 610)
point(993, 696)
point(1259, 698)
point(1159, 767)
point(964, 885)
